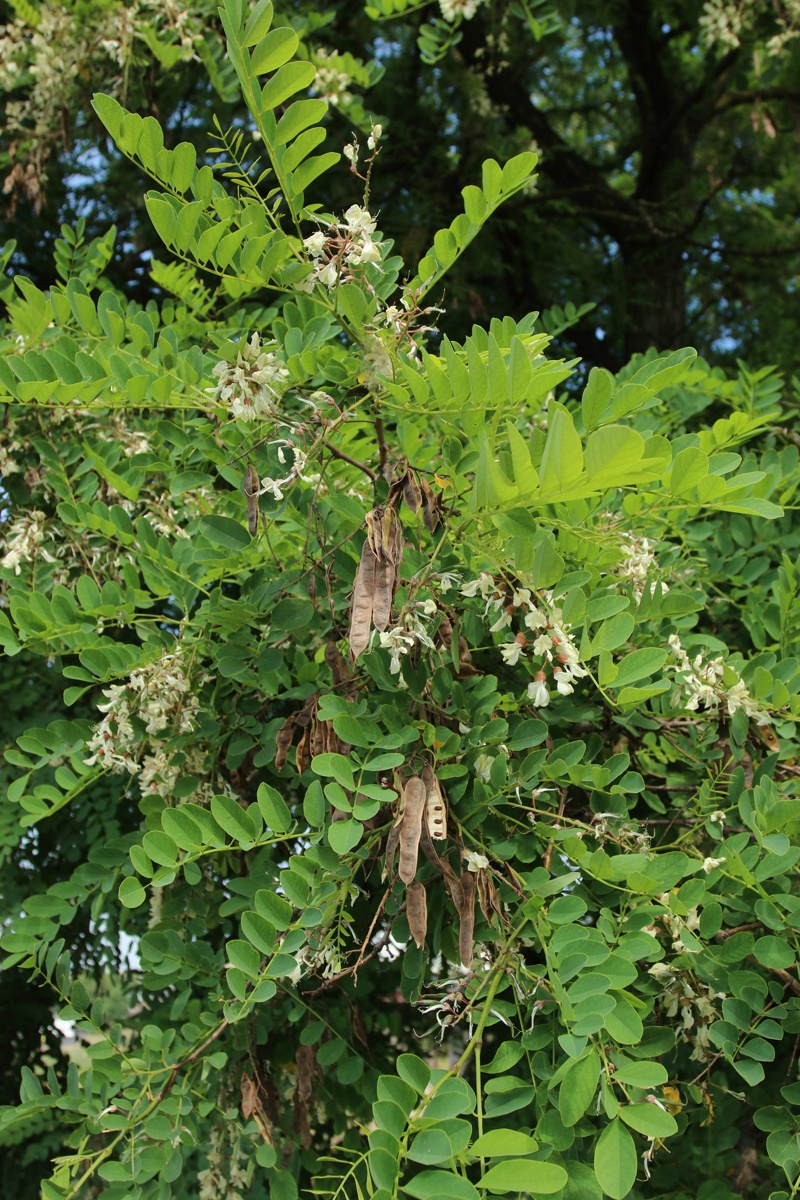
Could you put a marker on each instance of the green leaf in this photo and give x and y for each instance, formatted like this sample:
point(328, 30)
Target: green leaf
point(230, 816)
point(244, 957)
point(291, 78)
point(562, 458)
point(615, 1160)
point(274, 809)
point(414, 1071)
point(224, 532)
point(131, 893)
point(688, 468)
point(344, 836)
point(578, 1087)
point(639, 664)
point(440, 1185)
point(774, 953)
point(596, 396)
point(641, 1074)
point(334, 766)
point(612, 633)
point(503, 1143)
point(259, 931)
point(524, 1175)
point(430, 1146)
point(275, 49)
point(649, 1119)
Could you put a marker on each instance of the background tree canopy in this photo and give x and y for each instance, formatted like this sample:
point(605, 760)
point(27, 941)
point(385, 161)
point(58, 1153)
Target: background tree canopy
point(667, 193)
point(400, 777)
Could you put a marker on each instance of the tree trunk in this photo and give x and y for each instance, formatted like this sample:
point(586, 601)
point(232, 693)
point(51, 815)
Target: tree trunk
point(654, 281)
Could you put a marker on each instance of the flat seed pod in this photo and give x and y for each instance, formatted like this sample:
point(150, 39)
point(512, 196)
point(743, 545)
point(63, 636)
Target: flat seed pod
point(283, 741)
point(435, 807)
point(317, 737)
point(466, 919)
point(374, 520)
point(453, 885)
point(303, 754)
point(388, 534)
point(411, 828)
point(397, 552)
point(382, 599)
point(487, 896)
point(336, 662)
point(430, 507)
point(417, 911)
point(307, 711)
point(250, 488)
point(411, 491)
point(361, 604)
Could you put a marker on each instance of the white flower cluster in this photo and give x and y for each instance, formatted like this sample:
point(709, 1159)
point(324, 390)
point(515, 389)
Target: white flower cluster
point(551, 643)
point(400, 639)
point(331, 82)
point(220, 1180)
point(24, 537)
point(684, 994)
point(637, 564)
point(721, 23)
point(701, 684)
point(452, 9)
point(253, 384)
point(351, 246)
point(158, 694)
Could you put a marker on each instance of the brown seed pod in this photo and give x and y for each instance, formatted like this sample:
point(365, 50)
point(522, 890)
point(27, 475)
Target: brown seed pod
point(487, 896)
point(283, 740)
point(382, 599)
point(388, 527)
point(453, 885)
point(338, 667)
point(251, 485)
point(430, 507)
point(417, 911)
point(435, 806)
point(302, 753)
point(317, 737)
point(411, 828)
point(411, 491)
point(362, 602)
point(374, 519)
point(466, 919)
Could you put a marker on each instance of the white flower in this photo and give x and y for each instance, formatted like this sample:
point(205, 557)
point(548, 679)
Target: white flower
point(521, 598)
point(359, 220)
point(351, 152)
point(369, 253)
point(483, 584)
point(475, 862)
point(451, 9)
point(511, 652)
point(709, 864)
point(374, 136)
point(538, 693)
point(502, 622)
point(535, 620)
point(272, 485)
point(315, 244)
point(329, 275)
point(483, 767)
point(543, 644)
point(718, 816)
point(448, 580)
point(428, 607)
point(563, 683)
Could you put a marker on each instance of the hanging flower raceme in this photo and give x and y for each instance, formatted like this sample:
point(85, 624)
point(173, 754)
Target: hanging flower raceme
point(252, 385)
point(702, 684)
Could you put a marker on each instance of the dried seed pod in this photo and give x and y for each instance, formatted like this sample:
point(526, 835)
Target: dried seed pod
point(317, 737)
point(302, 753)
point(435, 806)
point(251, 485)
point(411, 491)
point(430, 507)
point(397, 549)
point(382, 598)
point(466, 919)
point(311, 587)
point(453, 885)
point(374, 520)
point(283, 740)
point(411, 828)
point(388, 526)
point(362, 602)
point(338, 667)
point(417, 911)
point(487, 896)
point(307, 711)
